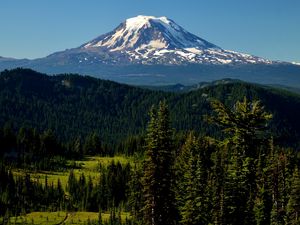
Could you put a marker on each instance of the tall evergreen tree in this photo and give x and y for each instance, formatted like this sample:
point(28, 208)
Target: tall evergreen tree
point(293, 207)
point(244, 126)
point(182, 166)
point(92, 145)
point(157, 180)
point(263, 199)
point(192, 189)
point(135, 192)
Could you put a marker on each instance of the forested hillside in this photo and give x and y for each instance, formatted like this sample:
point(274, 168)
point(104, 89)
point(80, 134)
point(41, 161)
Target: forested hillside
point(75, 106)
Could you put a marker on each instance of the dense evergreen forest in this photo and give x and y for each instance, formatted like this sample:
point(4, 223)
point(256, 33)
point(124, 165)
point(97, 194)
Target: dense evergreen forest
point(74, 106)
point(223, 154)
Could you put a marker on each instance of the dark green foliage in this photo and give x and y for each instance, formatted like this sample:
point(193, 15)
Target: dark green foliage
point(21, 194)
point(192, 187)
point(74, 106)
point(31, 150)
point(246, 179)
point(92, 145)
point(245, 125)
point(157, 180)
point(135, 199)
point(293, 207)
point(131, 145)
point(263, 199)
point(110, 192)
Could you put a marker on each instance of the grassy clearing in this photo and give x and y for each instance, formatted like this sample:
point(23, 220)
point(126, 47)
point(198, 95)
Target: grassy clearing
point(52, 218)
point(39, 218)
point(89, 167)
point(84, 217)
point(105, 161)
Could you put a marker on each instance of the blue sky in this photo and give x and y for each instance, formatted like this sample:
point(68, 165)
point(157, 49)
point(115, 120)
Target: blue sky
point(266, 28)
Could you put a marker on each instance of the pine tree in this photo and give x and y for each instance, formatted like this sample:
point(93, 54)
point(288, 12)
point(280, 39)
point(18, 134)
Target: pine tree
point(72, 188)
point(135, 189)
point(235, 194)
point(78, 148)
point(245, 124)
point(280, 186)
point(263, 199)
point(217, 184)
point(182, 166)
point(100, 222)
point(158, 174)
point(92, 145)
point(261, 211)
point(192, 190)
point(245, 127)
point(150, 181)
point(293, 207)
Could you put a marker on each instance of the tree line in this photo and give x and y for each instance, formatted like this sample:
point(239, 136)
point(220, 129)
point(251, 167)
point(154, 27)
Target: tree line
point(23, 194)
point(29, 149)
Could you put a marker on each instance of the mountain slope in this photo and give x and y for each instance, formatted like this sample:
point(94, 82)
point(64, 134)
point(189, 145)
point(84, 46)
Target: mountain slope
point(153, 41)
point(147, 50)
point(74, 105)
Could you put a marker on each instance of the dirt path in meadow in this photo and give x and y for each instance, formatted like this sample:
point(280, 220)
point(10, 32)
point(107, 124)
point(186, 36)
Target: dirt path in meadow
point(65, 219)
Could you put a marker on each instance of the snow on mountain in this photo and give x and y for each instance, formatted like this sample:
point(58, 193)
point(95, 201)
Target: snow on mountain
point(148, 32)
point(140, 50)
point(157, 40)
point(149, 40)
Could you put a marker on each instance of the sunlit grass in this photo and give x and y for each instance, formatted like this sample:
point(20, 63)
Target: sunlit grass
point(51, 218)
point(39, 218)
point(89, 167)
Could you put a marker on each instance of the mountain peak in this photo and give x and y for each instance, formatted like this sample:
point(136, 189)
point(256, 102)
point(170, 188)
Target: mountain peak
point(169, 52)
point(149, 33)
point(155, 40)
point(135, 23)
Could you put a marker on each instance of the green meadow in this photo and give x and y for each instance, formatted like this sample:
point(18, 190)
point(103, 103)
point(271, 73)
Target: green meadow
point(89, 167)
point(54, 218)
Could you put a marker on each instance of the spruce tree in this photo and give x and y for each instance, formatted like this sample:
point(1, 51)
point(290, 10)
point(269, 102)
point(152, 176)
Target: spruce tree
point(157, 180)
point(293, 207)
point(217, 184)
point(135, 189)
point(235, 194)
point(244, 127)
point(182, 167)
point(192, 189)
point(245, 124)
point(280, 187)
point(149, 180)
point(166, 154)
point(261, 211)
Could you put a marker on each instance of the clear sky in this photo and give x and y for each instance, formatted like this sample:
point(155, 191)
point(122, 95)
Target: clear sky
point(36, 28)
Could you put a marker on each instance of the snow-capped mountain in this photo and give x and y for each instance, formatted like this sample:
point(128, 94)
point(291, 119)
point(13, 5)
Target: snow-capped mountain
point(147, 50)
point(154, 40)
